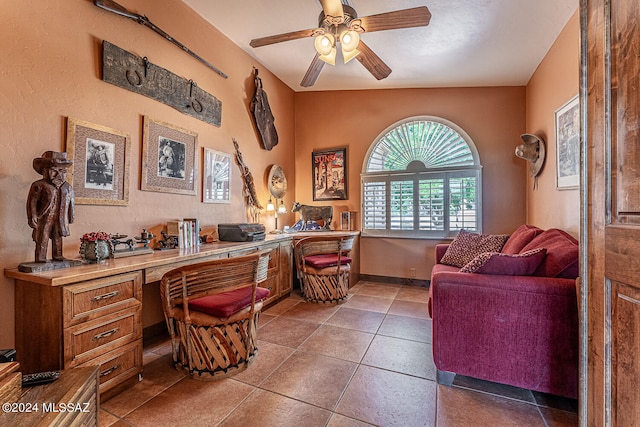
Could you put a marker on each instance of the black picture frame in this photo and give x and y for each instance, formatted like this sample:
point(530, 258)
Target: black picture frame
point(330, 179)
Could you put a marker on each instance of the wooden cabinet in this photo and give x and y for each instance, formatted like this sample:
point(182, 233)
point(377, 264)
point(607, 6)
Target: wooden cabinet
point(91, 315)
point(278, 279)
point(71, 400)
point(89, 323)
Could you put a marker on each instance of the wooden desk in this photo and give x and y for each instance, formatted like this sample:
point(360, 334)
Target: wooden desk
point(70, 400)
point(91, 314)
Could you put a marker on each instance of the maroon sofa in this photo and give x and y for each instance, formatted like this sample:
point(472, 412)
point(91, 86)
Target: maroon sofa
point(509, 328)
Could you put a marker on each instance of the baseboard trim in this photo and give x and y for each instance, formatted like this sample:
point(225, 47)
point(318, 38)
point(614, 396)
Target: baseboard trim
point(395, 280)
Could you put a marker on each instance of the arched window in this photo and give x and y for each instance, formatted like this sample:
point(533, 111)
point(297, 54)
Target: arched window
point(421, 178)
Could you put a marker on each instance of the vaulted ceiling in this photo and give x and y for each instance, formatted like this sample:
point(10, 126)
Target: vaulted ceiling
point(467, 43)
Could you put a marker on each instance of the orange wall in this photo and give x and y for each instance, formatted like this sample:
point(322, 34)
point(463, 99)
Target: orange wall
point(554, 83)
point(493, 117)
point(50, 70)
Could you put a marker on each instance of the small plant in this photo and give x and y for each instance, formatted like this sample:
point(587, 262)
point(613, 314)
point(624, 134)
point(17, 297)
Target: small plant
point(95, 236)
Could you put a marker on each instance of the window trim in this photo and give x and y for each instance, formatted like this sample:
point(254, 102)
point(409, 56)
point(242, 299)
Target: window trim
point(446, 173)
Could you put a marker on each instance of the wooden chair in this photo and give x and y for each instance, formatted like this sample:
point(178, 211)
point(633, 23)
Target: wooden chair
point(211, 309)
point(324, 266)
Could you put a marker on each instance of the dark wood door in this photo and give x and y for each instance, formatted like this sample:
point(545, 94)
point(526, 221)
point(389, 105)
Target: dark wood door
point(611, 212)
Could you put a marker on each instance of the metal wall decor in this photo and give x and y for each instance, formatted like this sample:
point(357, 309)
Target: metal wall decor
point(114, 7)
point(100, 173)
point(169, 158)
point(139, 75)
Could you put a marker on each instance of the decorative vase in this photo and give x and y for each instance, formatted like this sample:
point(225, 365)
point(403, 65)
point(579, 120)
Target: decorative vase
point(96, 251)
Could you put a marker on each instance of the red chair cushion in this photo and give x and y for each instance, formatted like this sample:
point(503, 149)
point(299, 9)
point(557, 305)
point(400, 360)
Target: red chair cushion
point(227, 303)
point(325, 260)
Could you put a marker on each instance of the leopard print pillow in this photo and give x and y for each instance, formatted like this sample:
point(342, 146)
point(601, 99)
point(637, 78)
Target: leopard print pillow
point(466, 246)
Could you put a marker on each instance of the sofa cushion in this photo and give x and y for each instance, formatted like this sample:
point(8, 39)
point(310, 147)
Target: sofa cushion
point(562, 254)
point(466, 246)
point(226, 303)
point(524, 264)
point(520, 238)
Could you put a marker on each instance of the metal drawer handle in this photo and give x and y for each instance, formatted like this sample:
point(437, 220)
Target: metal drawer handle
point(106, 296)
point(105, 334)
point(110, 370)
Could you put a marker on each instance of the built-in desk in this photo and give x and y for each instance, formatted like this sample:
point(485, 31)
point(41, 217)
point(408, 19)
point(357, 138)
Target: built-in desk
point(92, 314)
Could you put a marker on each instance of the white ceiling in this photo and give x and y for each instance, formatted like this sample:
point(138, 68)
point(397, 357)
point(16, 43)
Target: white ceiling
point(467, 43)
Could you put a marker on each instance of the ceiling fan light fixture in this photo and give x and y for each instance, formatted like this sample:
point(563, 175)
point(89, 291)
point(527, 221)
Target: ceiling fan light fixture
point(325, 43)
point(330, 58)
point(348, 56)
point(349, 40)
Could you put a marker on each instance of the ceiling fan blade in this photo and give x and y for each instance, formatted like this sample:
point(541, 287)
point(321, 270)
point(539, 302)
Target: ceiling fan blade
point(406, 18)
point(313, 72)
point(332, 8)
point(294, 35)
point(372, 62)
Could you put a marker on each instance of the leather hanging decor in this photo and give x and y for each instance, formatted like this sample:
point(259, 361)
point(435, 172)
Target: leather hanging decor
point(263, 116)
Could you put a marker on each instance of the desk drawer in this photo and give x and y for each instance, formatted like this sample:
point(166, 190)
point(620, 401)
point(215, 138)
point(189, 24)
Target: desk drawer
point(95, 298)
point(154, 274)
point(118, 365)
point(92, 339)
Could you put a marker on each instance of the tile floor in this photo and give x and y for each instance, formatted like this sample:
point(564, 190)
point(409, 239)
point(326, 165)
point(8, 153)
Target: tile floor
point(365, 362)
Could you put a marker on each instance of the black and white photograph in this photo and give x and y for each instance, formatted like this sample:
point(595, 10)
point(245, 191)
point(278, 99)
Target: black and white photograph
point(171, 158)
point(100, 156)
point(216, 184)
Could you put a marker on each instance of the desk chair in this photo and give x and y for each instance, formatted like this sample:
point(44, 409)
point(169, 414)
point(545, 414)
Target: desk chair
point(324, 265)
point(211, 309)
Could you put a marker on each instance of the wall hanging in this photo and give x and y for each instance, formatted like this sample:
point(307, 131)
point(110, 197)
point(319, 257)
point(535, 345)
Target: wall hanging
point(100, 173)
point(129, 71)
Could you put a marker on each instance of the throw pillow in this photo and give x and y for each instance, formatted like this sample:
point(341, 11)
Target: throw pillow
point(520, 238)
point(562, 254)
point(466, 246)
point(524, 264)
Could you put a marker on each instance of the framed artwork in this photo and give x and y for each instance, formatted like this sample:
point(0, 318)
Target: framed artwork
point(101, 156)
point(568, 145)
point(169, 158)
point(216, 179)
point(329, 174)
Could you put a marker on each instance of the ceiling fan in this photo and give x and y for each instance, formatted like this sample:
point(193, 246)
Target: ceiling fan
point(339, 24)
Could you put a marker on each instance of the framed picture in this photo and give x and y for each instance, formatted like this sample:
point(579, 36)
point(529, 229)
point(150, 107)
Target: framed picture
point(100, 171)
point(216, 180)
point(348, 220)
point(169, 158)
point(329, 174)
point(568, 145)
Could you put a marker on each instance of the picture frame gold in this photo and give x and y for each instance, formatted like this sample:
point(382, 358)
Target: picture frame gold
point(169, 158)
point(101, 158)
point(216, 177)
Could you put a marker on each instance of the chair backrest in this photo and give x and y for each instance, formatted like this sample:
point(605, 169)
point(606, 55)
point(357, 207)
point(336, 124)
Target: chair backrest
point(179, 286)
point(316, 245)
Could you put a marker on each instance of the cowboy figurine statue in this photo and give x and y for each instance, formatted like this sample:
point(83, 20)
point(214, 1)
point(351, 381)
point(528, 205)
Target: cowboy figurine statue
point(50, 206)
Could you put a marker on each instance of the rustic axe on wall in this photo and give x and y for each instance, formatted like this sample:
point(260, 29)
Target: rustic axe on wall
point(114, 7)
